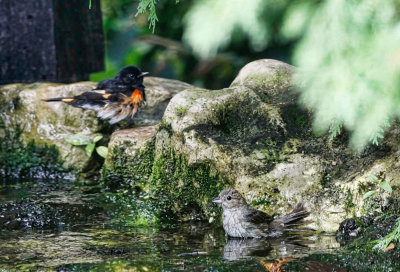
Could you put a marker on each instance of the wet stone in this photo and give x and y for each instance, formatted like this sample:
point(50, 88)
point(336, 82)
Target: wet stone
point(351, 228)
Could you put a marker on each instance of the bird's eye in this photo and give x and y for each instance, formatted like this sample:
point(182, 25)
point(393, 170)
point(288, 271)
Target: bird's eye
point(131, 75)
point(229, 198)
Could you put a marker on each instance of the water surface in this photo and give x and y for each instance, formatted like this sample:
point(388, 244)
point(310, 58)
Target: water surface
point(59, 225)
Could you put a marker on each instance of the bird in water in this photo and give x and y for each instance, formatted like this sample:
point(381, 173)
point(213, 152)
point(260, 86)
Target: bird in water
point(240, 220)
point(113, 99)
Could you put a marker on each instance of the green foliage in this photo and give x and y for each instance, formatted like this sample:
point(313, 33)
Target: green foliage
point(84, 140)
point(102, 151)
point(28, 160)
point(78, 139)
point(382, 187)
point(349, 67)
point(210, 24)
point(335, 129)
point(163, 53)
point(393, 236)
point(150, 6)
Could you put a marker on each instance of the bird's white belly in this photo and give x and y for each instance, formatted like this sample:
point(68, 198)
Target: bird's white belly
point(233, 224)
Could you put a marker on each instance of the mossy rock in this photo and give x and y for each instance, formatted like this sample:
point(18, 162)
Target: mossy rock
point(169, 188)
point(49, 123)
point(21, 106)
point(255, 137)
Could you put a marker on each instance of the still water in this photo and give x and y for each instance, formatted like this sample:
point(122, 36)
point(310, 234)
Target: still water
point(61, 226)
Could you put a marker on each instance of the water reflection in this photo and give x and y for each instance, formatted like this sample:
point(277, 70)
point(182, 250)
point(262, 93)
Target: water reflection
point(235, 249)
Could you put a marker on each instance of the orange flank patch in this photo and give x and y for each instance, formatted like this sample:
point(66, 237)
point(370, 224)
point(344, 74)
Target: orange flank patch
point(67, 100)
point(106, 96)
point(136, 98)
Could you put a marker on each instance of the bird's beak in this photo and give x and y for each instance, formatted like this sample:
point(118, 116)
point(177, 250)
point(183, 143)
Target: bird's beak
point(143, 74)
point(217, 200)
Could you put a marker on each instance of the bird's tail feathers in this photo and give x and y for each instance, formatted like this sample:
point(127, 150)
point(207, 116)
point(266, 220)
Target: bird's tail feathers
point(293, 221)
point(57, 99)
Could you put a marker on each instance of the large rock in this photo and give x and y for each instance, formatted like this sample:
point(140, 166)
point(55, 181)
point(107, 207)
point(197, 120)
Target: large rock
point(49, 123)
point(254, 137)
point(21, 106)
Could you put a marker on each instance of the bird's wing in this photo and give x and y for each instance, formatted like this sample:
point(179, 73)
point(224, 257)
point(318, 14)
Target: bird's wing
point(105, 84)
point(258, 217)
point(112, 86)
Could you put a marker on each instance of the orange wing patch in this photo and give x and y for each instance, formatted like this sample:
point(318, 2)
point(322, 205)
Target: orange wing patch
point(136, 98)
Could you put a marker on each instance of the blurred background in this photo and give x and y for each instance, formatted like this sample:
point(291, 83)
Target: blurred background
point(204, 43)
point(347, 51)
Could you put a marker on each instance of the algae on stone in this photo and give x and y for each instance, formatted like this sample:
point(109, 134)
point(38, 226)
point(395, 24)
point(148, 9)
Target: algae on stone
point(130, 158)
point(31, 160)
point(163, 184)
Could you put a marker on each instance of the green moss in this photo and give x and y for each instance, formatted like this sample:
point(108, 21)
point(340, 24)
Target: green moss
point(271, 88)
point(126, 171)
point(298, 121)
point(165, 126)
point(150, 191)
point(234, 123)
point(181, 111)
point(211, 94)
point(182, 192)
point(261, 201)
point(349, 204)
point(28, 160)
point(291, 146)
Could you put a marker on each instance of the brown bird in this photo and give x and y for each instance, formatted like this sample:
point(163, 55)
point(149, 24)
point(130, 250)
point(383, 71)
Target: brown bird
point(113, 99)
point(241, 220)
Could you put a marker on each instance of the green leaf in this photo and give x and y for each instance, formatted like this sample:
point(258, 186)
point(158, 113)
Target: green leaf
point(386, 186)
point(97, 138)
point(369, 194)
point(89, 149)
point(373, 178)
point(102, 151)
point(78, 139)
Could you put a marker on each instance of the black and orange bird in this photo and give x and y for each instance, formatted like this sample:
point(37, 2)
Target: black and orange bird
point(113, 99)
